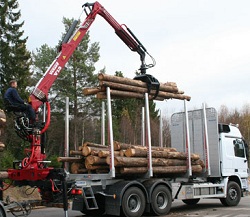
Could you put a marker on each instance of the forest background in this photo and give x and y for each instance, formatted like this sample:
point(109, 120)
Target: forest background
point(17, 62)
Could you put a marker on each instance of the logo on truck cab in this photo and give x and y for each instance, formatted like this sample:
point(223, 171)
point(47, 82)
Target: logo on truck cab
point(55, 69)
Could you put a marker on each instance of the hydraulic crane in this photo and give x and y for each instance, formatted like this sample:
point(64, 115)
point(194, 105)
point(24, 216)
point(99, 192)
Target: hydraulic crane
point(34, 166)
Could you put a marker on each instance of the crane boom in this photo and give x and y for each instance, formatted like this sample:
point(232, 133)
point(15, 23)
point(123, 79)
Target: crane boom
point(40, 93)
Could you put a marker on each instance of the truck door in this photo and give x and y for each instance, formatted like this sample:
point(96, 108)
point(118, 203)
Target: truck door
point(240, 162)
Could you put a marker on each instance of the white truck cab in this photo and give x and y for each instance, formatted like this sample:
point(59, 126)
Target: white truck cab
point(233, 152)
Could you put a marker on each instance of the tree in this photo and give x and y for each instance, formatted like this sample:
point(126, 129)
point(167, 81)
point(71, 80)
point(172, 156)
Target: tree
point(14, 57)
point(14, 64)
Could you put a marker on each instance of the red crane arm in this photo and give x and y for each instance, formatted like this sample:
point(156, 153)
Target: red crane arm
point(40, 93)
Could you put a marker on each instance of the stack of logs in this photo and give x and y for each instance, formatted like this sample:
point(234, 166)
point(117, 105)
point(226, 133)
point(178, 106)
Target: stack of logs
point(129, 88)
point(2, 124)
point(130, 159)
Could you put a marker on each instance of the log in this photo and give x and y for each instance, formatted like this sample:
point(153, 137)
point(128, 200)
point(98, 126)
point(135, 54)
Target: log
point(104, 153)
point(132, 152)
point(160, 170)
point(142, 162)
point(166, 94)
point(135, 152)
point(122, 153)
point(92, 90)
point(86, 150)
point(91, 144)
point(198, 162)
point(75, 152)
point(122, 94)
point(4, 175)
point(120, 146)
point(130, 88)
point(76, 167)
point(70, 159)
point(138, 83)
point(97, 167)
point(94, 160)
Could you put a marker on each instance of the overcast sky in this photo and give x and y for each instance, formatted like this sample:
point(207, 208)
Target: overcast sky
point(202, 45)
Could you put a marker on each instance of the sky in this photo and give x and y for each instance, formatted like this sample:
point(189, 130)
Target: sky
point(202, 45)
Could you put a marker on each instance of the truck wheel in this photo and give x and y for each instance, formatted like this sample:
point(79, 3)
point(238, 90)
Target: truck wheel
point(191, 201)
point(133, 202)
point(161, 200)
point(233, 195)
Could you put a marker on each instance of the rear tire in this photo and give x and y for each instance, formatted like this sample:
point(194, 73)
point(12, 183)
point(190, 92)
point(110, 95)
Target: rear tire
point(191, 201)
point(133, 202)
point(233, 195)
point(161, 200)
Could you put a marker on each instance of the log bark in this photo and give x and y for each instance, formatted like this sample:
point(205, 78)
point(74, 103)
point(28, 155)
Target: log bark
point(139, 152)
point(94, 160)
point(91, 144)
point(122, 153)
point(160, 170)
point(126, 94)
point(104, 153)
point(75, 152)
point(120, 146)
point(76, 167)
point(97, 167)
point(92, 90)
point(87, 150)
point(166, 94)
point(70, 159)
point(142, 162)
point(133, 152)
point(131, 88)
point(116, 79)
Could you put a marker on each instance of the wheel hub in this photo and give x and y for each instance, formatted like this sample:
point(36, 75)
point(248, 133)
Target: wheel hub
point(162, 200)
point(233, 194)
point(134, 203)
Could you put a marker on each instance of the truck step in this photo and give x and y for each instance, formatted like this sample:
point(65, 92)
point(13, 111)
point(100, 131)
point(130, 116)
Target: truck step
point(89, 198)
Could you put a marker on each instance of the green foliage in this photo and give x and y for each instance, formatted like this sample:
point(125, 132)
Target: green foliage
point(6, 160)
point(54, 163)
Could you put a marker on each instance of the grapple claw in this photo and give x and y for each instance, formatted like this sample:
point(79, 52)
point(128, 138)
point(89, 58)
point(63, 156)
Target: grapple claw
point(152, 83)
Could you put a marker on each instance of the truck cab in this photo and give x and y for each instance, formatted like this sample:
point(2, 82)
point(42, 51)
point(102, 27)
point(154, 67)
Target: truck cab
point(233, 152)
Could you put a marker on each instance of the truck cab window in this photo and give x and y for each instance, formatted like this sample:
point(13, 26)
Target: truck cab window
point(239, 148)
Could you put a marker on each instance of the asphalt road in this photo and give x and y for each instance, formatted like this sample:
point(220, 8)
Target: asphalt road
point(208, 208)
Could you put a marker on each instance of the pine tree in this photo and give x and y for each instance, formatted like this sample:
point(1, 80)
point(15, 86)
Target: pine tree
point(14, 64)
point(14, 56)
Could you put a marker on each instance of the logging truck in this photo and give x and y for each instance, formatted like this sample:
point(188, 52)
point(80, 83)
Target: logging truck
point(152, 179)
point(136, 190)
